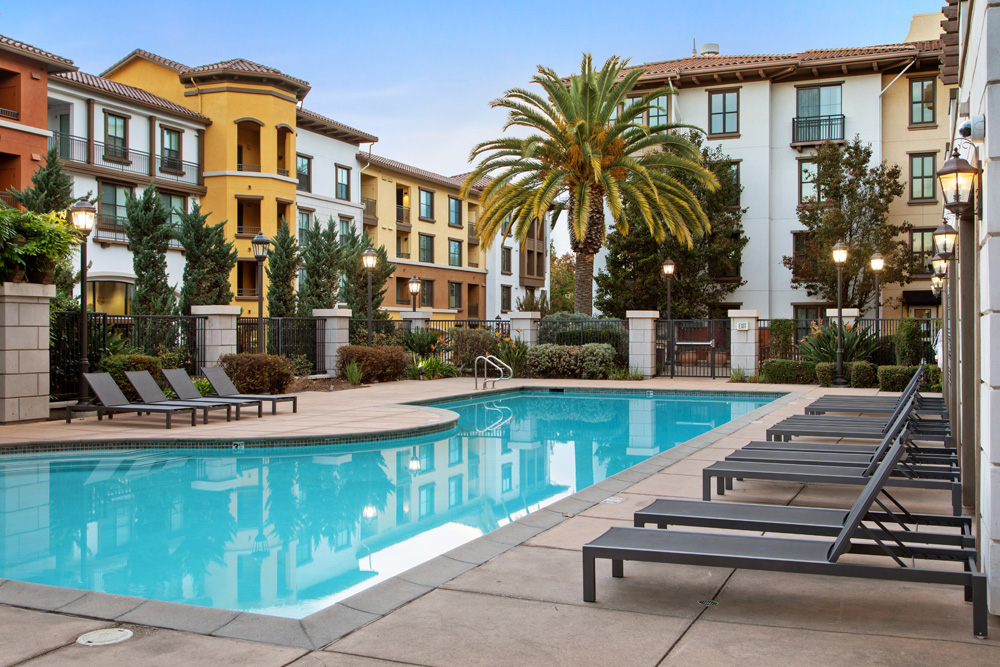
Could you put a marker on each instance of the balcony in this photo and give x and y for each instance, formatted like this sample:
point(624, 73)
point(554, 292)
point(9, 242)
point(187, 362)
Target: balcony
point(282, 172)
point(369, 217)
point(402, 255)
point(247, 229)
point(110, 229)
point(9, 113)
point(7, 200)
point(125, 160)
point(817, 129)
point(244, 292)
point(403, 214)
point(245, 166)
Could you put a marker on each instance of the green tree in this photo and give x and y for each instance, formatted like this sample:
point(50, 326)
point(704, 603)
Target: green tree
point(321, 262)
point(149, 232)
point(51, 188)
point(209, 259)
point(587, 152)
point(562, 272)
point(853, 207)
point(706, 271)
point(355, 287)
point(283, 264)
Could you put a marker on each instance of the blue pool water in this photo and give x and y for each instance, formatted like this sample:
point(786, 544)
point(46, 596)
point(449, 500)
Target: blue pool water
point(289, 531)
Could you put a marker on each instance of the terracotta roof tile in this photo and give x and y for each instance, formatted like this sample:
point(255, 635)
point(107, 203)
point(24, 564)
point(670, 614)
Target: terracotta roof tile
point(13, 44)
point(128, 92)
point(140, 53)
point(479, 185)
point(243, 65)
point(361, 136)
point(379, 161)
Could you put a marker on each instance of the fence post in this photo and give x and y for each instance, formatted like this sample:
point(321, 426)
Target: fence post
point(220, 331)
point(417, 319)
point(642, 341)
point(336, 334)
point(523, 326)
point(24, 351)
point(743, 340)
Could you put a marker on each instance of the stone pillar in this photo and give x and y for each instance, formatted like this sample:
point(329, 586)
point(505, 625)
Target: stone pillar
point(642, 341)
point(24, 351)
point(524, 326)
point(416, 320)
point(336, 334)
point(743, 341)
point(220, 331)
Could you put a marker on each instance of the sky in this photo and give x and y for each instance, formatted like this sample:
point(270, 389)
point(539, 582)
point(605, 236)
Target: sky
point(421, 75)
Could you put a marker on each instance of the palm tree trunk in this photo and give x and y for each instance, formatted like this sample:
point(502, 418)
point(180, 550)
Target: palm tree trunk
point(583, 297)
point(585, 249)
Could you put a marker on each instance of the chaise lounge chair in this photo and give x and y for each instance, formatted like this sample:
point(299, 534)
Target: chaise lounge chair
point(225, 388)
point(781, 554)
point(151, 394)
point(182, 385)
point(113, 400)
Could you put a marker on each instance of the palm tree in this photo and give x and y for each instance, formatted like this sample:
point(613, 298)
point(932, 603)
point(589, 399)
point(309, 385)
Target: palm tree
point(583, 154)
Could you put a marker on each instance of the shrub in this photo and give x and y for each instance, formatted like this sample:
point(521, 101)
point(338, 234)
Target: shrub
point(548, 360)
point(514, 353)
point(203, 386)
point(117, 364)
point(626, 374)
point(825, 372)
point(739, 375)
point(595, 361)
point(787, 371)
point(258, 373)
point(422, 342)
point(909, 342)
point(434, 368)
point(353, 373)
point(301, 365)
point(894, 378)
point(467, 344)
point(384, 332)
point(172, 357)
point(381, 363)
point(821, 344)
point(861, 374)
point(781, 336)
point(932, 378)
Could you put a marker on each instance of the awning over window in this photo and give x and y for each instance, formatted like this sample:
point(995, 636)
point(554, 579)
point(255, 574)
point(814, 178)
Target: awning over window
point(920, 297)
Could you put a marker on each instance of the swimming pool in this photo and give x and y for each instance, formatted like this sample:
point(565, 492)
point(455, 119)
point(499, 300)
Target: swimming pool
point(288, 531)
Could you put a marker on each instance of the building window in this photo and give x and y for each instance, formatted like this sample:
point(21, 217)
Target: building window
point(660, 113)
point(112, 297)
point(454, 212)
point(506, 477)
point(426, 495)
point(454, 451)
point(506, 225)
point(455, 295)
point(505, 298)
point(922, 247)
point(303, 168)
point(343, 183)
point(818, 115)
point(505, 260)
point(115, 137)
point(454, 491)
point(807, 181)
point(112, 205)
point(426, 204)
point(427, 248)
point(454, 252)
point(426, 293)
point(724, 112)
point(303, 229)
point(175, 205)
point(922, 100)
point(170, 146)
point(803, 259)
point(804, 317)
point(922, 177)
point(426, 455)
point(402, 293)
point(734, 169)
point(346, 228)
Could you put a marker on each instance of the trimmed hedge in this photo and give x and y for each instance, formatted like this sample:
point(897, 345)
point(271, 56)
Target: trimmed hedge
point(787, 371)
point(859, 374)
point(596, 361)
point(932, 377)
point(117, 364)
point(467, 344)
point(258, 373)
point(894, 378)
point(909, 342)
point(781, 338)
point(593, 361)
point(380, 363)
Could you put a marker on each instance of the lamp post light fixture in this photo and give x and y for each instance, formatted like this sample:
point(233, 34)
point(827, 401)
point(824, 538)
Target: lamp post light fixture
point(668, 271)
point(939, 265)
point(414, 286)
point(878, 263)
point(840, 258)
point(368, 259)
point(414, 464)
point(82, 215)
point(956, 177)
point(260, 244)
point(944, 239)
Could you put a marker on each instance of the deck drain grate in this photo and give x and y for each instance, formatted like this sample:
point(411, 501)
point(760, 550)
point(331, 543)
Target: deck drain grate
point(708, 603)
point(104, 637)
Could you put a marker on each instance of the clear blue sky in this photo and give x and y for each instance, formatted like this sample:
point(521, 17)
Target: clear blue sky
point(420, 75)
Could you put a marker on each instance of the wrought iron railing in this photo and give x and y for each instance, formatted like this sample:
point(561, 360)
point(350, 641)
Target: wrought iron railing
point(693, 348)
point(247, 229)
point(282, 172)
point(246, 166)
point(110, 227)
point(581, 332)
point(370, 207)
point(246, 291)
point(74, 149)
point(403, 214)
point(10, 113)
point(7, 200)
point(287, 337)
point(817, 129)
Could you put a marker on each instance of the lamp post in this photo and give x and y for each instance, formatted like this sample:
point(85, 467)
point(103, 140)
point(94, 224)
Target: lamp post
point(878, 263)
point(840, 258)
point(668, 271)
point(414, 286)
point(82, 214)
point(944, 239)
point(956, 176)
point(368, 259)
point(261, 244)
point(939, 264)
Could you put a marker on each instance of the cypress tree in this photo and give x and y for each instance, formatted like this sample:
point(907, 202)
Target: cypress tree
point(355, 292)
point(321, 262)
point(209, 260)
point(283, 263)
point(149, 232)
point(51, 189)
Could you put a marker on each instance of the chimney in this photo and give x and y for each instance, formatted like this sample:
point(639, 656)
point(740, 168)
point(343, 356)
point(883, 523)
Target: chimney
point(694, 48)
point(710, 49)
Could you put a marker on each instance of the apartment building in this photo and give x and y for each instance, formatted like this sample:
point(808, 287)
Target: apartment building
point(770, 112)
point(517, 269)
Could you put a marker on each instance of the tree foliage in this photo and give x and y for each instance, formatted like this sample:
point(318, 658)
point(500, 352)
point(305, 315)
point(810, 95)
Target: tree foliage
point(321, 262)
point(589, 147)
point(355, 292)
point(209, 260)
point(853, 207)
point(149, 232)
point(283, 263)
point(562, 273)
point(51, 188)
point(633, 280)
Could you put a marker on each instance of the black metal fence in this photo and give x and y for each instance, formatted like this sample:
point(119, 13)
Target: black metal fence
point(182, 337)
point(290, 337)
point(582, 332)
point(693, 348)
point(384, 332)
point(496, 326)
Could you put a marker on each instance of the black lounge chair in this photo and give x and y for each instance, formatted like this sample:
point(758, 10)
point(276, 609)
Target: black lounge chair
point(781, 554)
point(182, 385)
point(225, 388)
point(151, 394)
point(879, 405)
point(112, 400)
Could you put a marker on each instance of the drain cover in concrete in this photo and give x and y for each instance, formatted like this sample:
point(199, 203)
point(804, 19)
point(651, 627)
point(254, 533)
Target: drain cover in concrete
point(104, 637)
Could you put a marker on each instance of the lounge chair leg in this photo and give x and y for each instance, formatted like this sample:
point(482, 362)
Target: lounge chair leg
point(729, 483)
point(589, 579)
point(956, 499)
point(706, 485)
point(168, 419)
point(237, 412)
point(980, 615)
point(69, 414)
point(617, 568)
point(720, 485)
point(295, 404)
point(205, 415)
point(274, 407)
point(260, 409)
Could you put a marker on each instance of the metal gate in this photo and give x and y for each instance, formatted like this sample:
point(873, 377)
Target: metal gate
point(693, 348)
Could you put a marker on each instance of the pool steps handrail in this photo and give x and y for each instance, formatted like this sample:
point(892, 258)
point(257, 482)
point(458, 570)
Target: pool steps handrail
point(496, 363)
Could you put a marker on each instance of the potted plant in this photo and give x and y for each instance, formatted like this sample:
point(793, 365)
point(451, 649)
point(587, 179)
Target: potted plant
point(32, 243)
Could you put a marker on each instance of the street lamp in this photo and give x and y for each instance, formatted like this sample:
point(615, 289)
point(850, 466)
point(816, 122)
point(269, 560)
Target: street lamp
point(368, 259)
point(840, 258)
point(414, 464)
point(956, 176)
point(414, 287)
point(878, 263)
point(668, 271)
point(939, 264)
point(82, 214)
point(944, 239)
point(260, 244)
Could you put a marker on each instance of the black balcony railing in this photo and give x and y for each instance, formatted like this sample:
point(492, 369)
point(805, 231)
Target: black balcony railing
point(817, 129)
point(170, 161)
point(74, 149)
point(246, 291)
point(403, 214)
point(110, 227)
point(7, 200)
point(369, 205)
point(247, 229)
point(246, 166)
point(282, 172)
point(9, 113)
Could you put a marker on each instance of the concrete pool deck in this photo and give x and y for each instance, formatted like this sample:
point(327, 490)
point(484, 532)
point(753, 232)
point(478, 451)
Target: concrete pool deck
point(514, 596)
